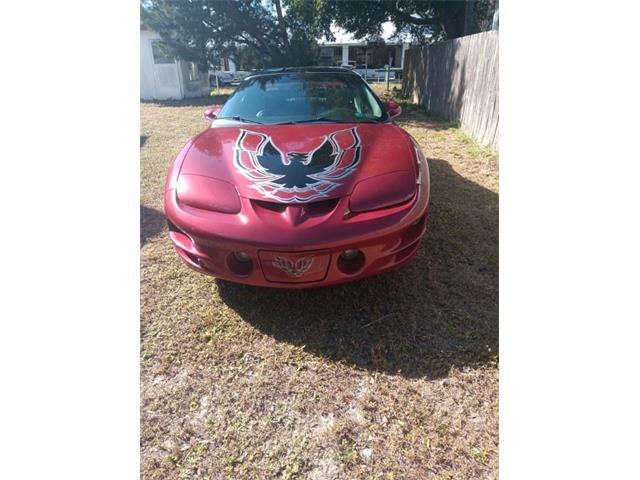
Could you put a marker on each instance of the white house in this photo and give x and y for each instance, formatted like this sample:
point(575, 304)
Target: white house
point(356, 52)
point(167, 78)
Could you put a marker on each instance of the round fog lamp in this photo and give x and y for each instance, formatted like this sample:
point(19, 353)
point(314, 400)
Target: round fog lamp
point(242, 256)
point(350, 254)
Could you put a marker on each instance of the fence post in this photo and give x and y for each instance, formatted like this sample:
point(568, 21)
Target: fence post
point(387, 77)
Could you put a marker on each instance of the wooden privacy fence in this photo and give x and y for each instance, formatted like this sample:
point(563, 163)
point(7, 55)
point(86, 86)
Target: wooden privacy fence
point(459, 80)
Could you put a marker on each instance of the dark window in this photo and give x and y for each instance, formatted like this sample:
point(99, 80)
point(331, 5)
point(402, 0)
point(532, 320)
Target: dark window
point(160, 54)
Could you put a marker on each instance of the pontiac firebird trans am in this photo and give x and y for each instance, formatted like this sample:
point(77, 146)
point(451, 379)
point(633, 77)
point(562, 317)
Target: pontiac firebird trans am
point(301, 180)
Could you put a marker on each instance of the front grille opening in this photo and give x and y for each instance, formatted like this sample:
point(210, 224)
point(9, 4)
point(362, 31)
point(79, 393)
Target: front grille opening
point(312, 209)
point(273, 206)
point(321, 208)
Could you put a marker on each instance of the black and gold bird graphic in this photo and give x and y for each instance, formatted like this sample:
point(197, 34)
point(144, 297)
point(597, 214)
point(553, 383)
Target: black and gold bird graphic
point(296, 176)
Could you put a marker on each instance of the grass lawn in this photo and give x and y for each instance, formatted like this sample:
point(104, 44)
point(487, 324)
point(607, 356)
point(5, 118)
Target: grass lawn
point(392, 377)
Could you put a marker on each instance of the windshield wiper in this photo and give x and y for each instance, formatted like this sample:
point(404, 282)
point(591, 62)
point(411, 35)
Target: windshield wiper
point(326, 119)
point(311, 120)
point(240, 119)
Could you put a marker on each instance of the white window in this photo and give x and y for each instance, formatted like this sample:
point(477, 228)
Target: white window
point(194, 74)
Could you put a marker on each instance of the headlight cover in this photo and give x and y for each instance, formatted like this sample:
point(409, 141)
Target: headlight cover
point(383, 191)
point(423, 168)
point(207, 193)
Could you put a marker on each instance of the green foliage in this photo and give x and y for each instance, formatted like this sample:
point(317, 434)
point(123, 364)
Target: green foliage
point(267, 33)
point(420, 20)
point(258, 33)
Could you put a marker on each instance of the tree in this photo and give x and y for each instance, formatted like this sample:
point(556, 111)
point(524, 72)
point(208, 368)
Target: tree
point(422, 20)
point(281, 32)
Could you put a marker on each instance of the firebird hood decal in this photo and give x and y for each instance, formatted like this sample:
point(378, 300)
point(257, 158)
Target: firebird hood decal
point(298, 163)
point(296, 176)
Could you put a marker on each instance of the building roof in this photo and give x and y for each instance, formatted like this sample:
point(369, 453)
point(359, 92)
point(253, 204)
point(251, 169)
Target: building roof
point(362, 43)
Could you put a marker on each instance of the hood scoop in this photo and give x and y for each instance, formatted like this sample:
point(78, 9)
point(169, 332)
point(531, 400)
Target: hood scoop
point(294, 214)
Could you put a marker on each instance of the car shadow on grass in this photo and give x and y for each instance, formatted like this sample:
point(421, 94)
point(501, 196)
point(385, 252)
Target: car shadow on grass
point(438, 312)
point(152, 222)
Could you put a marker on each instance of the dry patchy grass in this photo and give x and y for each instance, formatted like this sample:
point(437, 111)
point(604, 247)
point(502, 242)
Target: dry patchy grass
point(392, 377)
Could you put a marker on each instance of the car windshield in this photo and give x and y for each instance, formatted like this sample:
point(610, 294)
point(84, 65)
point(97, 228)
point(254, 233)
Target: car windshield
point(303, 97)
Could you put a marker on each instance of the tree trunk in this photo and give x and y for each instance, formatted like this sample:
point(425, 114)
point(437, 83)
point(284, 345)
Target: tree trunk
point(281, 25)
point(453, 19)
point(469, 18)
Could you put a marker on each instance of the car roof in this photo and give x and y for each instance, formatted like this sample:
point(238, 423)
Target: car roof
point(271, 71)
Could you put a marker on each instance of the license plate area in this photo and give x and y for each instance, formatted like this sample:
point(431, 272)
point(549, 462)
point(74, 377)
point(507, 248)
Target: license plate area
point(295, 267)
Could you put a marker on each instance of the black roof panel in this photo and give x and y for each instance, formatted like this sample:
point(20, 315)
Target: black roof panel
point(270, 71)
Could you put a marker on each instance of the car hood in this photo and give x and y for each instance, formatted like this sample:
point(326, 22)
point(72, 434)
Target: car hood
point(298, 163)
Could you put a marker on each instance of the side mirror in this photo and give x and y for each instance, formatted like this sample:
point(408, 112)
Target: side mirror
point(211, 113)
point(392, 109)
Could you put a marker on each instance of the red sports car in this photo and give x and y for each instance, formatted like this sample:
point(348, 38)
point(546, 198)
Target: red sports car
point(301, 180)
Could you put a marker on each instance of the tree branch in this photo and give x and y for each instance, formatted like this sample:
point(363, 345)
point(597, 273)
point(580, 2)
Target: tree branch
point(407, 18)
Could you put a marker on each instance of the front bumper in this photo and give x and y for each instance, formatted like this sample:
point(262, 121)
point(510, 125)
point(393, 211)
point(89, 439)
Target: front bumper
point(291, 249)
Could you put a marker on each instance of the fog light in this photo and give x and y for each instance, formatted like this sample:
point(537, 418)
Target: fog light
point(351, 261)
point(239, 263)
point(242, 257)
point(350, 254)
